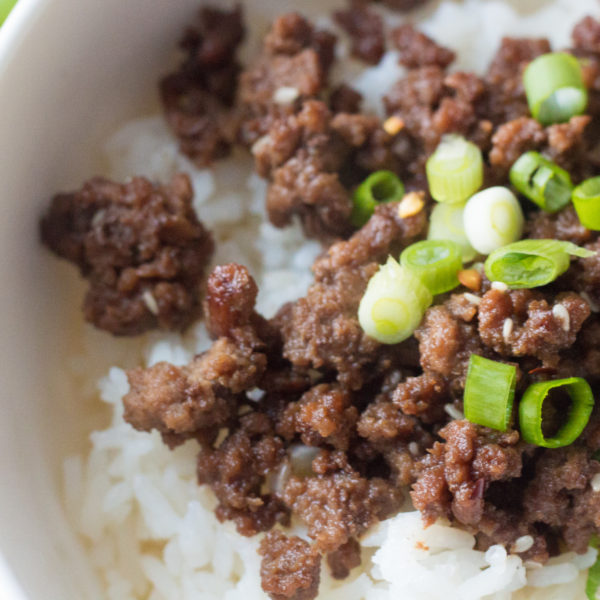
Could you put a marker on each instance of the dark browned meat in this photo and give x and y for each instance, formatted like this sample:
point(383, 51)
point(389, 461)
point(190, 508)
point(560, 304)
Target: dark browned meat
point(418, 50)
point(290, 568)
point(293, 67)
point(344, 99)
point(140, 245)
point(321, 331)
point(344, 559)
point(563, 225)
point(198, 96)
point(365, 27)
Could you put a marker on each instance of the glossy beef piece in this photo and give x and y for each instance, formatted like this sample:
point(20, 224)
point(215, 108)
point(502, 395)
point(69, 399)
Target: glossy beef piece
point(337, 503)
point(191, 401)
point(236, 471)
point(141, 247)
point(506, 99)
point(306, 155)
point(290, 568)
point(365, 28)
point(423, 396)
point(418, 50)
point(321, 330)
point(198, 96)
point(563, 225)
point(292, 67)
point(344, 559)
point(565, 143)
point(584, 275)
point(344, 99)
point(523, 323)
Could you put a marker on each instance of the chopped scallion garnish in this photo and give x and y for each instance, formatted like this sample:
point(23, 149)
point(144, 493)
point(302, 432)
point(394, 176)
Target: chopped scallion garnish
point(381, 186)
point(586, 200)
point(554, 86)
point(530, 412)
point(542, 181)
point(531, 263)
point(393, 304)
point(492, 219)
point(593, 579)
point(489, 392)
point(435, 262)
point(454, 170)
point(446, 223)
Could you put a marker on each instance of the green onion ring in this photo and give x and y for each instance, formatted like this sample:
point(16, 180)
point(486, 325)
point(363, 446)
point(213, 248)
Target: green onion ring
point(542, 181)
point(489, 392)
point(531, 263)
point(530, 412)
point(435, 262)
point(381, 186)
point(586, 200)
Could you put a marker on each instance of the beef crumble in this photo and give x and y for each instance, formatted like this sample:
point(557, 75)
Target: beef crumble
point(141, 247)
point(304, 414)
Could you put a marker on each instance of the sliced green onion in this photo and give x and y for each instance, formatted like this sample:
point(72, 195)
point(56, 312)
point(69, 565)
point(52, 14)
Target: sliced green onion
point(593, 579)
point(446, 223)
point(381, 186)
point(554, 86)
point(586, 200)
point(530, 412)
point(5, 7)
point(489, 392)
point(531, 263)
point(542, 181)
point(393, 304)
point(492, 219)
point(435, 262)
point(454, 170)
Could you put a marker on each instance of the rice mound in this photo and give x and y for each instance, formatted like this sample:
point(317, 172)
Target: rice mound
point(149, 529)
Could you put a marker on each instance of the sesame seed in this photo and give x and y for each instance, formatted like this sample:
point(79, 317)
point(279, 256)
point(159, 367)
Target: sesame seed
point(453, 412)
point(499, 286)
point(561, 314)
point(507, 329)
point(472, 298)
point(411, 204)
point(97, 218)
point(150, 302)
point(286, 95)
point(595, 482)
point(393, 125)
point(260, 144)
point(522, 544)
point(413, 448)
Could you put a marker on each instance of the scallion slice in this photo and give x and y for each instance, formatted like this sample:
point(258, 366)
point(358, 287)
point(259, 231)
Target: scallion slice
point(393, 304)
point(586, 200)
point(454, 170)
point(446, 223)
point(593, 579)
point(492, 219)
point(554, 87)
point(542, 181)
point(435, 262)
point(489, 392)
point(531, 263)
point(530, 412)
point(381, 186)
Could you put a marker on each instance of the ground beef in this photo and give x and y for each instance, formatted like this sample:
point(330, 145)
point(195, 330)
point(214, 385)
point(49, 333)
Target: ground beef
point(344, 99)
point(293, 67)
point(307, 155)
point(418, 50)
point(237, 469)
point(402, 5)
point(338, 504)
point(365, 27)
point(290, 568)
point(141, 247)
point(522, 323)
point(563, 225)
point(422, 396)
point(344, 559)
point(321, 330)
point(198, 96)
point(506, 98)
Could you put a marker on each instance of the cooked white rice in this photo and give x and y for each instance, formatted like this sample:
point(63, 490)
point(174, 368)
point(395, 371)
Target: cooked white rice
point(148, 527)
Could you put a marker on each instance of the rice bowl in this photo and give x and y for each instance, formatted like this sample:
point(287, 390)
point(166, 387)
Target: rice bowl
point(135, 505)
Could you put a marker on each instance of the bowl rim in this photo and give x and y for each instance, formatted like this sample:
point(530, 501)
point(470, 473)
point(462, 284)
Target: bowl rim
point(13, 33)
